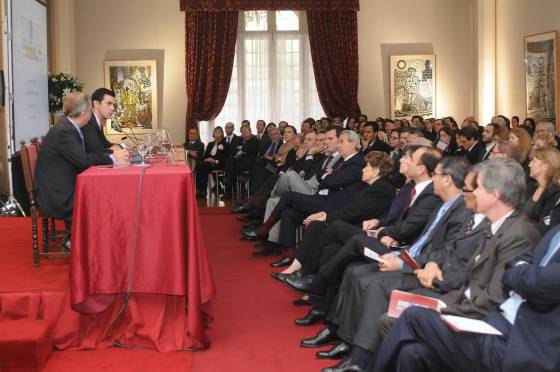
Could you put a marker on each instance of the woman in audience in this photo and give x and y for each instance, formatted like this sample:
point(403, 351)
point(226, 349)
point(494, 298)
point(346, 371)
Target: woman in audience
point(515, 122)
point(447, 144)
point(429, 130)
point(350, 124)
point(501, 134)
point(451, 123)
point(286, 155)
point(371, 202)
point(214, 159)
point(545, 169)
point(520, 138)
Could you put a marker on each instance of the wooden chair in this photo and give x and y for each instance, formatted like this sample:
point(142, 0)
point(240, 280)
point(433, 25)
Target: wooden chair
point(51, 235)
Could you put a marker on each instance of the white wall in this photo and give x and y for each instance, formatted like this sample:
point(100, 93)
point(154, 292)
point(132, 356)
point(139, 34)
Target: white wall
point(111, 29)
point(441, 27)
point(515, 19)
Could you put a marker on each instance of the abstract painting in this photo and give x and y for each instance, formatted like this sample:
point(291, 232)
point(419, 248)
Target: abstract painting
point(135, 87)
point(413, 85)
point(540, 76)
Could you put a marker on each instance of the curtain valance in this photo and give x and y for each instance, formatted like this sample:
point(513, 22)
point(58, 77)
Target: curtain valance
point(238, 5)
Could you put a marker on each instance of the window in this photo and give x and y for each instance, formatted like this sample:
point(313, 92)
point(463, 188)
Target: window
point(272, 75)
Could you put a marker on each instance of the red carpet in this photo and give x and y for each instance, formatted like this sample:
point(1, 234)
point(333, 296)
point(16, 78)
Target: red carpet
point(254, 317)
point(253, 328)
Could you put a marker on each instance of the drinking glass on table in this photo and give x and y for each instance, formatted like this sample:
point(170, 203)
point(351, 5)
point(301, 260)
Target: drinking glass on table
point(150, 142)
point(142, 150)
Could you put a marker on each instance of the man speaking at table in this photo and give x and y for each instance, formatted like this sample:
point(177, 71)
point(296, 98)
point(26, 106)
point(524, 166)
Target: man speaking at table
point(63, 156)
point(103, 107)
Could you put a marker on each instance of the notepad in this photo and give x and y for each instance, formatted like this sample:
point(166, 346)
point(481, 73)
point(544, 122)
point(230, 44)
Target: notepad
point(462, 324)
point(373, 255)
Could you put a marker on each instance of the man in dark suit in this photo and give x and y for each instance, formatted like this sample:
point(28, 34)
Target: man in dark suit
point(474, 149)
point(232, 139)
point(488, 140)
point(337, 185)
point(244, 156)
point(499, 193)
point(63, 157)
point(103, 107)
point(370, 142)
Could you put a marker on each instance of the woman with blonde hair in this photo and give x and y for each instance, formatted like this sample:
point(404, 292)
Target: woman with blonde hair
point(545, 170)
point(521, 138)
point(544, 140)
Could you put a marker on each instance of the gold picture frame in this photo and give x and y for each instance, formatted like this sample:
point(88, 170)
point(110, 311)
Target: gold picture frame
point(135, 86)
point(541, 82)
point(413, 85)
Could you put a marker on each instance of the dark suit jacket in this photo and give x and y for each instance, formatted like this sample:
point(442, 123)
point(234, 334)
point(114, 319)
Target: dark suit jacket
point(398, 206)
point(94, 138)
point(447, 231)
point(221, 155)
point(249, 150)
point(485, 269)
point(476, 153)
point(60, 160)
point(485, 155)
point(343, 183)
point(235, 141)
point(453, 259)
point(376, 145)
point(534, 339)
point(411, 223)
point(196, 146)
point(264, 145)
point(370, 202)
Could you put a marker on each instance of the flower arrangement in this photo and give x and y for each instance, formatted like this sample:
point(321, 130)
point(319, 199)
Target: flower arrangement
point(59, 86)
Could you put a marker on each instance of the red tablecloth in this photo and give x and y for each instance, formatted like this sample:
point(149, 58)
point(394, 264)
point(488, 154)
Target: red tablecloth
point(143, 237)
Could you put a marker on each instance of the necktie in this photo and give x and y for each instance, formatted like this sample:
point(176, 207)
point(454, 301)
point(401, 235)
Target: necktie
point(228, 139)
point(82, 139)
point(552, 250)
point(338, 165)
point(271, 149)
point(416, 248)
point(412, 195)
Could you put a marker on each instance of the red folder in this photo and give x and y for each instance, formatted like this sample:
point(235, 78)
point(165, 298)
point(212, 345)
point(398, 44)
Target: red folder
point(407, 259)
point(401, 300)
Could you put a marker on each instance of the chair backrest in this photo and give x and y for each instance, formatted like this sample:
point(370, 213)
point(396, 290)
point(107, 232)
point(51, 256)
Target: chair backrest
point(29, 155)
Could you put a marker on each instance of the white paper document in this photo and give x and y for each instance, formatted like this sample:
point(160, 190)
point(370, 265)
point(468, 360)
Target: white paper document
point(462, 324)
point(373, 255)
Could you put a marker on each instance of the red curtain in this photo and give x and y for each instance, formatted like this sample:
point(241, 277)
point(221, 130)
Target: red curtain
point(210, 51)
point(333, 37)
point(219, 5)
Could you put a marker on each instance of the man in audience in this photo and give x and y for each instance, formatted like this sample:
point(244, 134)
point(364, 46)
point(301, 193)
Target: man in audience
point(260, 129)
point(468, 139)
point(243, 158)
point(103, 106)
point(370, 142)
point(336, 187)
point(232, 139)
point(528, 321)
point(63, 157)
point(488, 140)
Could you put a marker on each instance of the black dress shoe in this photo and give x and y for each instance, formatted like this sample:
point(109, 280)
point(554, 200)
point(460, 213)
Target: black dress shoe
point(312, 317)
point(249, 232)
point(250, 238)
point(346, 365)
point(304, 286)
point(323, 338)
point(241, 209)
point(337, 352)
point(286, 261)
point(302, 302)
point(281, 277)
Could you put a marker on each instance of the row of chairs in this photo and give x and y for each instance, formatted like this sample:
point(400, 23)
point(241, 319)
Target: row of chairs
point(53, 238)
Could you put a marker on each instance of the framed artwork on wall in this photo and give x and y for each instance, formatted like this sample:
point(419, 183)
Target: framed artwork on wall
point(413, 86)
point(541, 83)
point(135, 87)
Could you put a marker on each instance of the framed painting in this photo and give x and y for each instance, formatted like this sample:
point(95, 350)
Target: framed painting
point(135, 87)
point(541, 83)
point(413, 86)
